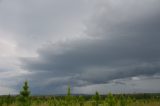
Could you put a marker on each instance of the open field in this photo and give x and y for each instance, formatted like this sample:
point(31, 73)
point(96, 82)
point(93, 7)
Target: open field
point(25, 99)
point(86, 100)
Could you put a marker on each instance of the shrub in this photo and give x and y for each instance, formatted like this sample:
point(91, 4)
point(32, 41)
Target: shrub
point(123, 101)
point(111, 101)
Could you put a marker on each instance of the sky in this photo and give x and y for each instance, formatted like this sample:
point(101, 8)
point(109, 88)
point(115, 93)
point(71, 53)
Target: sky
point(91, 45)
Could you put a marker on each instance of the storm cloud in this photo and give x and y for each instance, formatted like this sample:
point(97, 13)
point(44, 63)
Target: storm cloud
point(124, 44)
point(117, 44)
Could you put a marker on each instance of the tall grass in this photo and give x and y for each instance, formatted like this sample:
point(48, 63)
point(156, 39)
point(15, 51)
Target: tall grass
point(24, 99)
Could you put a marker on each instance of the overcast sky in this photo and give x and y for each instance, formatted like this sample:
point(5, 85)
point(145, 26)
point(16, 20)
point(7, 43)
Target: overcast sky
point(93, 45)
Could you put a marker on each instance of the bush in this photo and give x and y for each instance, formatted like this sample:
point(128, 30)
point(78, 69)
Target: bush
point(111, 101)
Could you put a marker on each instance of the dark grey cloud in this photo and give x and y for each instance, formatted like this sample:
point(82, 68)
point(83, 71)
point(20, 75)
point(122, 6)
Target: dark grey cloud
point(90, 44)
point(26, 26)
point(124, 43)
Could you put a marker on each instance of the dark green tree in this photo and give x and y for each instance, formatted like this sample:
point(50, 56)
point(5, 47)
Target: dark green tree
point(69, 91)
point(8, 100)
point(69, 97)
point(24, 97)
point(96, 98)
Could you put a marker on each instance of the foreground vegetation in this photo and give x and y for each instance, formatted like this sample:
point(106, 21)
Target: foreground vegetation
point(24, 99)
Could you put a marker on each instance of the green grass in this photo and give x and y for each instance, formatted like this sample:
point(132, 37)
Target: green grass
point(105, 100)
point(25, 99)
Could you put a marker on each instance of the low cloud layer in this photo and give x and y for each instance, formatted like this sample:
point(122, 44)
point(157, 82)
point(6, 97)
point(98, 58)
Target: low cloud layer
point(117, 44)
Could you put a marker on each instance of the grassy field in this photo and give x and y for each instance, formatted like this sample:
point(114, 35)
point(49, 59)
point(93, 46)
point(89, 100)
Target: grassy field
point(88, 100)
point(25, 99)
